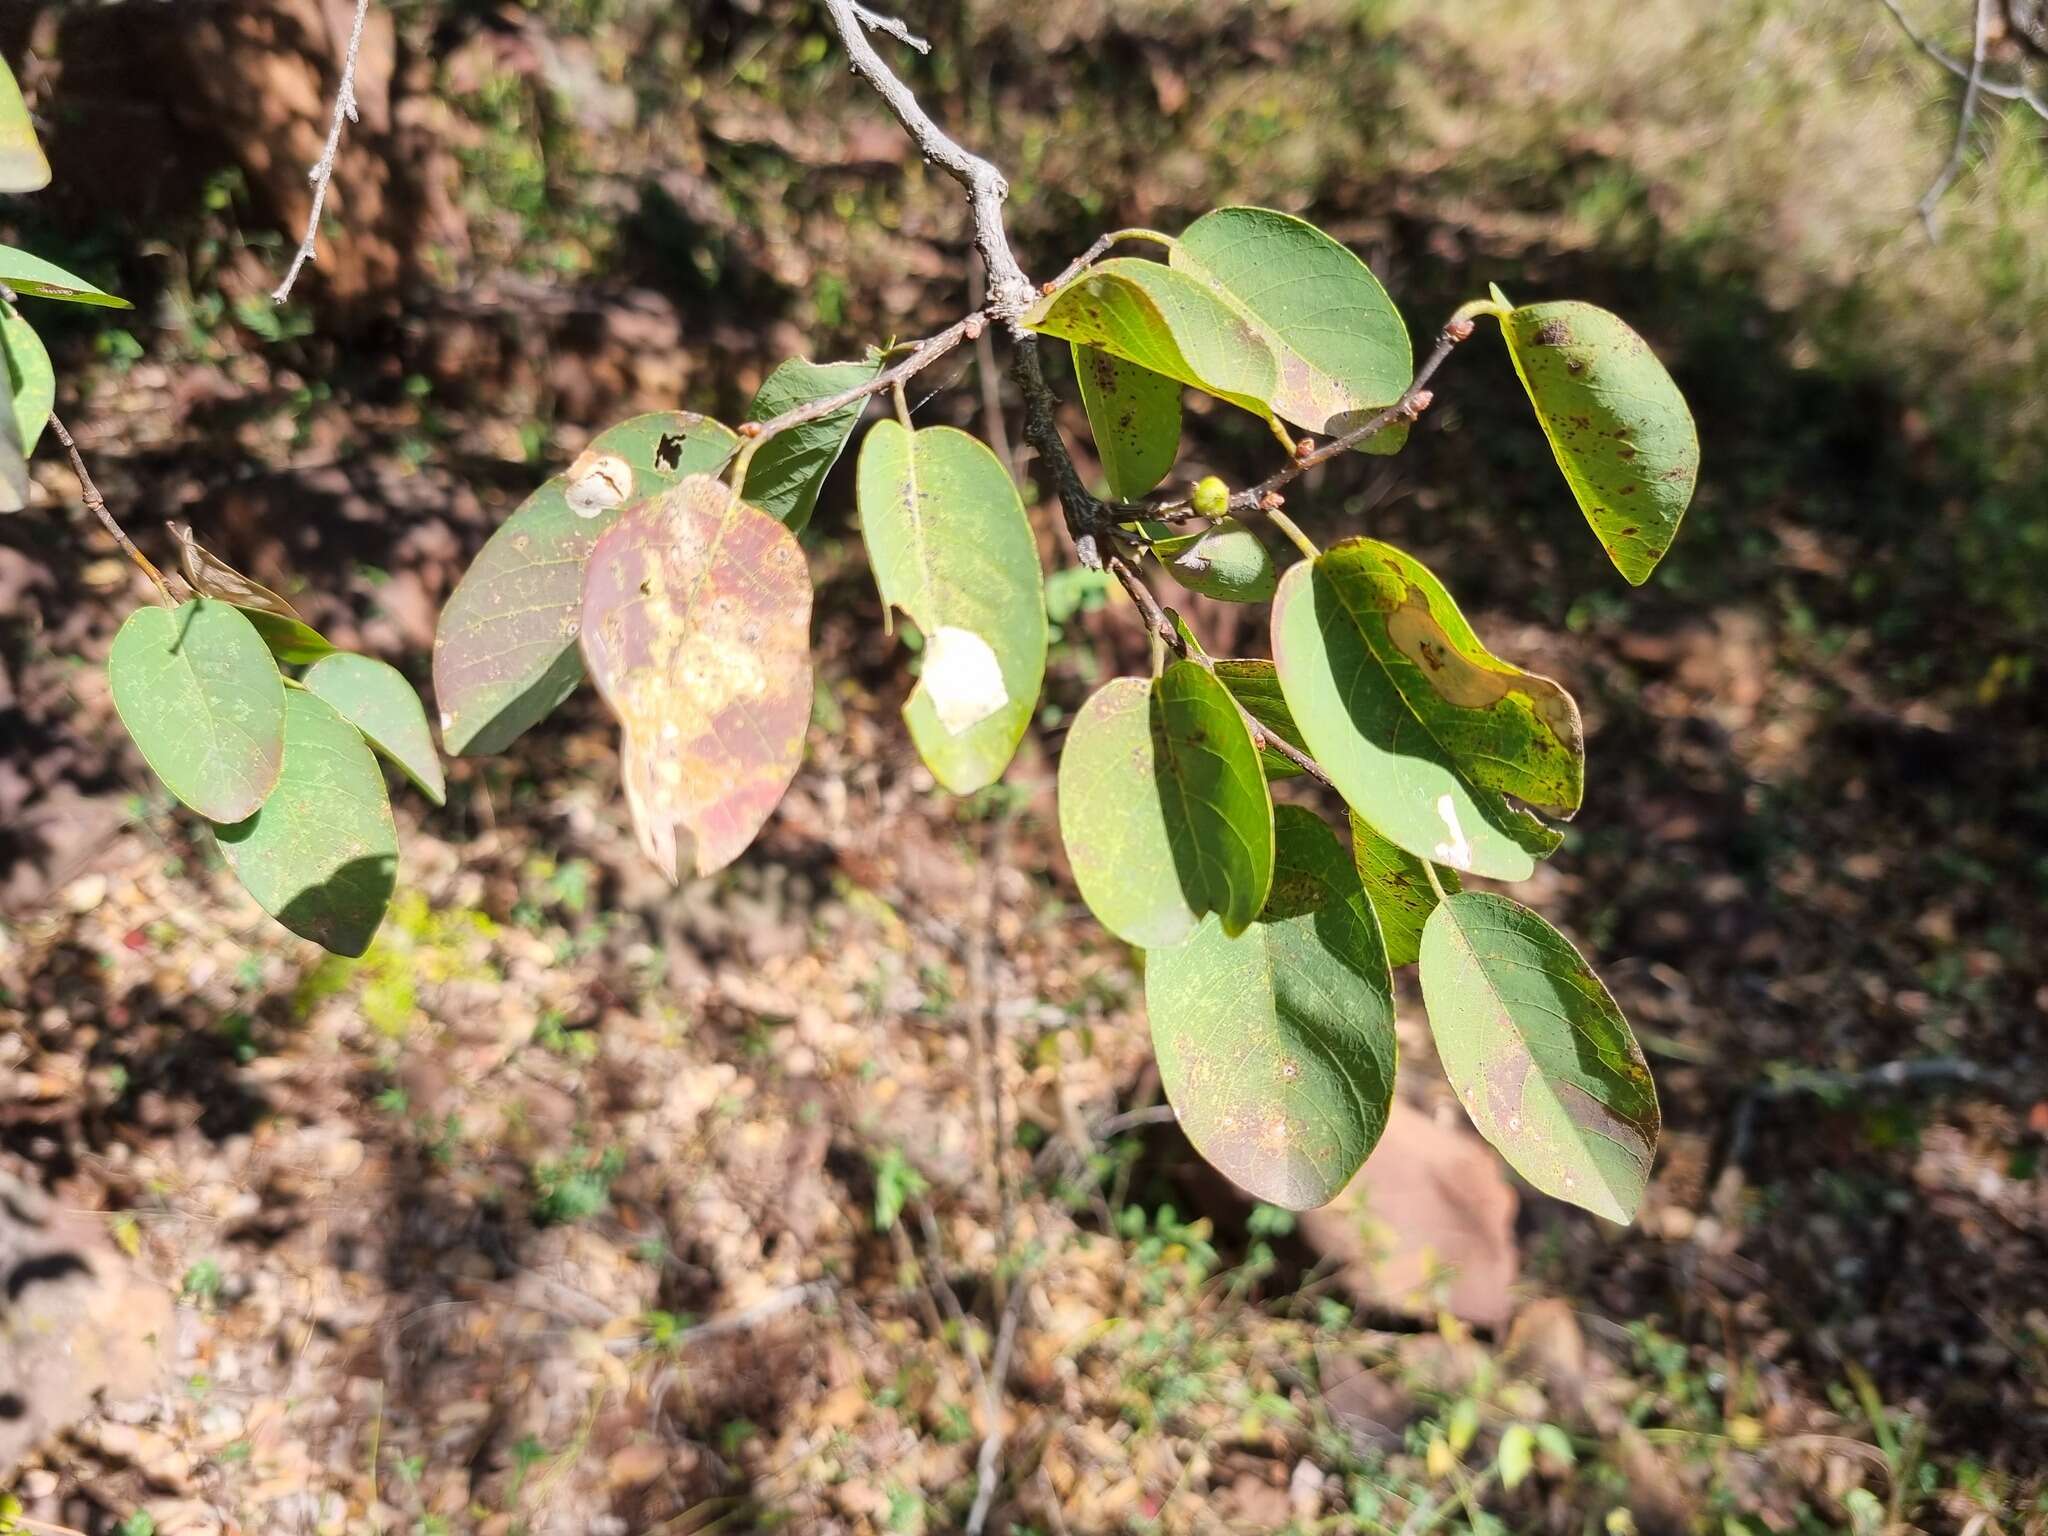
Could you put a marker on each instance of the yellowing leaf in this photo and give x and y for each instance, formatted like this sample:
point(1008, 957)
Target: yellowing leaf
point(696, 628)
point(23, 167)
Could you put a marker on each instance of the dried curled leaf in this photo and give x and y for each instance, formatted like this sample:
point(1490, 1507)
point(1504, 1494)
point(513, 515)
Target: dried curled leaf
point(696, 629)
point(290, 638)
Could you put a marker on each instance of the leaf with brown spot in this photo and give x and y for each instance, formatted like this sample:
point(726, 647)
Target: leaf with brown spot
point(1276, 1047)
point(696, 628)
point(1616, 421)
point(505, 651)
point(1134, 417)
point(1538, 1053)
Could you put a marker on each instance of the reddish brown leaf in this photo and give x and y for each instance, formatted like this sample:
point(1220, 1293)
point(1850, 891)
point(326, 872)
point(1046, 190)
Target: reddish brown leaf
point(696, 629)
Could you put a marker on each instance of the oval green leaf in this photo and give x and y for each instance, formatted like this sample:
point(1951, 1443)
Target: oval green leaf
point(1134, 417)
point(1398, 887)
point(697, 631)
point(1163, 809)
point(1616, 421)
point(1359, 727)
point(787, 471)
point(31, 381)
point(951, 547)
point(290, 638)
point(1538, 1053)
point(23, 166)
point(1506, 729)
point(321, 856)
point(1341, 346)
point(204, 701)
point(1276, 1048)
point(31, 275)
point(375, 698)
point(505, 650)
point(1256, 685)
point(1167, 323)
point(1226, 561)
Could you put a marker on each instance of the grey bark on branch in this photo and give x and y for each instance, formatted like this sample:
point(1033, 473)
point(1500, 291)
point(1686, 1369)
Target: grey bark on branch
point(322, 172)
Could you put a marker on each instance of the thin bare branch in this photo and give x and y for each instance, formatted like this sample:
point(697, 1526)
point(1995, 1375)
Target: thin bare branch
point(1966, 120)
point(2000, 89)
point(97, 505)
point(988, 1463)
point(323, 168)
point(876, 21)
point(1009, 289)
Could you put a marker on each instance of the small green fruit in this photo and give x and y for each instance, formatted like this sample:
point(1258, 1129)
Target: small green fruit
point(1211, 496)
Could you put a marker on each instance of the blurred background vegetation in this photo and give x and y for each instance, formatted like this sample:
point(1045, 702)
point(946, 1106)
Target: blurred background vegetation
point(1815, 845)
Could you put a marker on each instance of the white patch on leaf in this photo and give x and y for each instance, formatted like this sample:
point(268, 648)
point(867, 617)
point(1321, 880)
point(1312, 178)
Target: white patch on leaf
point(962, 678)
point(1454, 851)
point(597, 483)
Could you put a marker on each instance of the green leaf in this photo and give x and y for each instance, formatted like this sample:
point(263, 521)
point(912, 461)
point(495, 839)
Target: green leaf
point(375, 698)
point(1398, 887)
point(1166, 322)
point(1163, 809)
point(1506, 729)
point(1517, 1458)
point(40, 279)
point(1134, 417)
point(697, 631)
point(1276, 1047)
point(31, 381)
point(290, 638)
point(1341, 346)
point(1256, 685)
point(1538, 1053)
point(1328, 618)
point(321, 856)
point(1226, 561)
point(1616, 421)
point(951, 547)
point(23, 167)
point(787, 471)
point(203, 700)
point(505, 652)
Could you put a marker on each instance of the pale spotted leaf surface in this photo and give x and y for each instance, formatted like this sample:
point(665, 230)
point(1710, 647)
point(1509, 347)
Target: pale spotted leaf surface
point(1538, 1053)
point(1276, 1047)
point(374, 697)
point(950, 545)
point(321, 856)
point(1341, 347)
point(202, 698)
point(1617, 422)
point(1163, 808)
point(696, 628)
point(1380, 756)
point(31, 381)
point(1134, 417)
point(788, 470)
point(290, 638)
point(1398, 887)
point(1167, 323)
point(23, 166)
point(505, 651)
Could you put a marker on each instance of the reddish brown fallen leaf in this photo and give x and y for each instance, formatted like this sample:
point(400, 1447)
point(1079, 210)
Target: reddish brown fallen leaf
point(696, 629)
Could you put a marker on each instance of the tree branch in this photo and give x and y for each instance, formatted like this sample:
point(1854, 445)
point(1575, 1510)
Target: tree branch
point(2015, 91)
point(1009, 289)
point(97, 505)
point(1966, 119)
point(323, 168)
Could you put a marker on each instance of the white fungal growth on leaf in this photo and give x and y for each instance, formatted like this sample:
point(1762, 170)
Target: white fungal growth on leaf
point(597, 483)
point(1455, 851)
point(962, 678)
